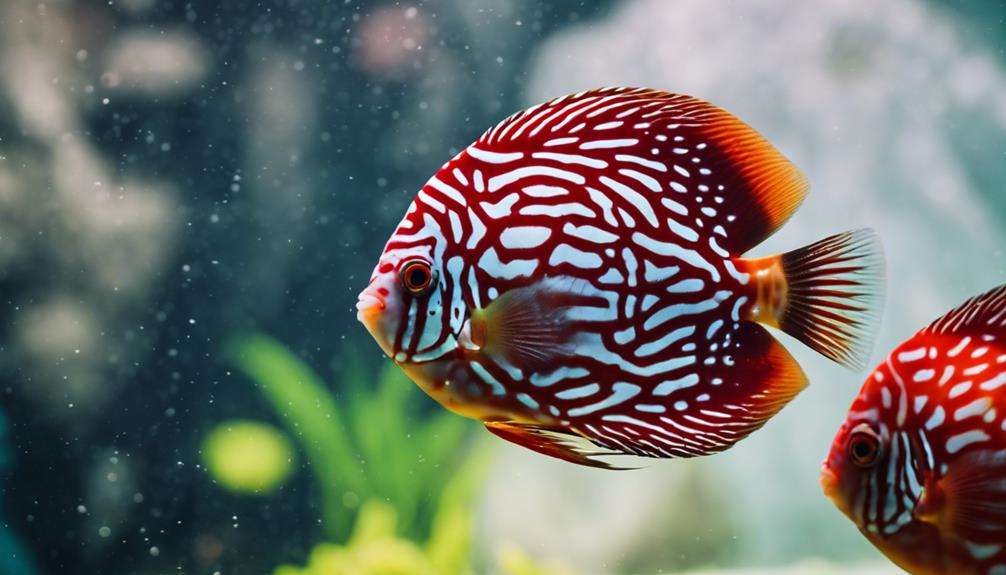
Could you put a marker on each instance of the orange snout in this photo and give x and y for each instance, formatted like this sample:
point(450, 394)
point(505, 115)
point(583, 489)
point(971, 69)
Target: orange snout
point(368, 308)
point(370, 311)
point(829, 483)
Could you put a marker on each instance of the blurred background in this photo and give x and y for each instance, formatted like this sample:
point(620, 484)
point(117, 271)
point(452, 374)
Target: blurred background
point(192, 193)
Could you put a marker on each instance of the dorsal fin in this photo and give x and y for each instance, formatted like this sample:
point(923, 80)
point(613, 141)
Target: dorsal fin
point(685, 157)
point(768, 183)
point(985, 313)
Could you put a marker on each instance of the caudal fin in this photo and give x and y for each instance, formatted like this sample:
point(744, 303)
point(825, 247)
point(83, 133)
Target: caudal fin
point(835, 294)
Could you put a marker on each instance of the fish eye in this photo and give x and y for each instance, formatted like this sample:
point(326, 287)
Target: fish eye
point(864, 447)
point(417, 277)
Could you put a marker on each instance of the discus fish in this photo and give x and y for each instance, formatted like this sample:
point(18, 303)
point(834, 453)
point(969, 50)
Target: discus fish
point(574, 280)
point(920, 463)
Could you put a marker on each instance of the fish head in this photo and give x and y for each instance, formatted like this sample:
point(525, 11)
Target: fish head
point(857, 477)
point(857, 453)
point(379, 306)
point(411, 310)
point(857, 464)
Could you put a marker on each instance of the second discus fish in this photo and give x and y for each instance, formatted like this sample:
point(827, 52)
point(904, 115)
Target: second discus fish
point(920, 463)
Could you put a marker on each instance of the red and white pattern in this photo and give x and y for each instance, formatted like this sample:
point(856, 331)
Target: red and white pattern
point(938, 405)
point(614, 219)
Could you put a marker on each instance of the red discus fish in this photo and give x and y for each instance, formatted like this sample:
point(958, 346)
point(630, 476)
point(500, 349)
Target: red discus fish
point(920, 463)
point(574, 280)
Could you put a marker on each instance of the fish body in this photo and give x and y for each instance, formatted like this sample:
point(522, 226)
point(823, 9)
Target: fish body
point(920, 462)
point(575, 280)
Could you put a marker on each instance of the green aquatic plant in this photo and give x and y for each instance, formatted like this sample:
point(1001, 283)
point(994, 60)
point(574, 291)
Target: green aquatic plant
point(248, 456)
point(515, 561)
point(374, 548)
point(373, 443)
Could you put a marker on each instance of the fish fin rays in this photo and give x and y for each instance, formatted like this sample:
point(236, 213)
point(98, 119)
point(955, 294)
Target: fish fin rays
point(756, 188)
point(726, 404)
point(555, 442)
point(985, 313)
point(527, 327)
point(835, 295)
point(766, 372)
point(758, 181)
point(970, 500)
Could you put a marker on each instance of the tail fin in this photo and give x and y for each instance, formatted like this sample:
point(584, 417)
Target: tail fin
point(835, 295)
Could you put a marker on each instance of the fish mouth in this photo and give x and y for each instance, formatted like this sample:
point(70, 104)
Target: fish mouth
point(368, 305)
point(829, 483)
point(370, 311)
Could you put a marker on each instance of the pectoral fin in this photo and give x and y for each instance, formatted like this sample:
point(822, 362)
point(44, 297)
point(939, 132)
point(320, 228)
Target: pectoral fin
point(970, 500)
point(527, 327)
point(554, 442)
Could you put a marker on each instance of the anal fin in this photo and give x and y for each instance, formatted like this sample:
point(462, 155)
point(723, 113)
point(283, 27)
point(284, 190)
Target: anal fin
point(554, 442)
point(728, 401)
point(763, 379)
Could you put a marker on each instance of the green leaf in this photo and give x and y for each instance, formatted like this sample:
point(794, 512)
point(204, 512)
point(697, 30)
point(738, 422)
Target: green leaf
point(466, 479)
point(303, 401)
point(449, 544)
point(375, 521)
point(375, 447)
point(439, 440)
point(399, 456)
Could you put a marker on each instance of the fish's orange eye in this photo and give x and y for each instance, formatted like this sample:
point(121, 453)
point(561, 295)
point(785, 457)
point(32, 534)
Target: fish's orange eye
point(864, 448)
point(417, 277)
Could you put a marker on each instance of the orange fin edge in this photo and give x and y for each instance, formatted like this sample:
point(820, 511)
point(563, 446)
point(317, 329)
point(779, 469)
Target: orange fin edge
point(554, 442)
point(775, 186)
point(762, 379)
point(784, 378)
